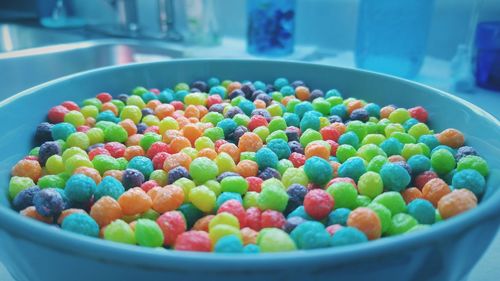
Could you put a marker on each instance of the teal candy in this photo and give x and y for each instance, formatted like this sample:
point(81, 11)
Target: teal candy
point(142, 164)
point(422, 210)
point(280, 148)
point(395, 177)
point(318, 170)
point(353, 168)
point(310, 235)
point(61, 131)
point(229, 244)
point(266, 158)
point(109, 186)
point(391, 146)
point(80, 188)
point(81, 224)
point(348, 236)
point(471, 180)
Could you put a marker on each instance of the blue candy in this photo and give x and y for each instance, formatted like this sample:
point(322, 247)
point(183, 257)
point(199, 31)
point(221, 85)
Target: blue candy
point(419, 163)
point(132, 178)
point(24, 199)
point(229, 244)
point(340, 110)
point(422, 210)
point(48, 202)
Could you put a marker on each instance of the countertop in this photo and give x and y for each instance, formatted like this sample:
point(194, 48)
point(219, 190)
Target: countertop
point(435, 73)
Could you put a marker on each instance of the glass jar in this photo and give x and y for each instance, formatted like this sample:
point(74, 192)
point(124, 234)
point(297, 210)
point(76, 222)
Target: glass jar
point(392, 35)
point(270, 27)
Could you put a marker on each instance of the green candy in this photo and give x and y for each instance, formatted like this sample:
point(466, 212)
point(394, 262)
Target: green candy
point(384, 215)
point(18, 184)
point(442, 161)
point(393, 201)
point(369, 151)
point(103, 163)
point(473, 162)
point(251, 199)
point(401, 223)
point(344, 195)
point(235, 184)
point(272, 197)
point(370, 184)
point(294, 175)
point(345, 151)
point(119, 231)
point(203, 169)
point(309, 136)
point(115, 133)
point(271, 240)
point(48, 181)
point(148, 233)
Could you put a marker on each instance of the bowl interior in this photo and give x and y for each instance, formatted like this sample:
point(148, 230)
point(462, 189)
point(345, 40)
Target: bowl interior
point(24, 111)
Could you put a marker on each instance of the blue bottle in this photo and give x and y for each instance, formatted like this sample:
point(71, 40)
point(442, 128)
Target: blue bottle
point(392, 35)
point(488, 55)
point(270, 27)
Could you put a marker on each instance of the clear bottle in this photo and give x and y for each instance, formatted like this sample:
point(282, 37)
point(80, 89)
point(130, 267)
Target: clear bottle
point(392, 35)
point(270, 27)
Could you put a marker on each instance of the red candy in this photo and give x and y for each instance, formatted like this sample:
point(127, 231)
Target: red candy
point(156, 148)
point(253, 218)
point(104, 97)
point(330, 133)
point(348, 180)
point(152, 129)
point(318, 203)
point(419, 113)
point(215, 99)
point(116, 149)
point(98, 151)
point(177, 105)
point(172, 224)
point(271, 218)
point(219, 143)
point(254, 184)
point(193, 240)
point(333, 147)
point(297, 159)
point(148, 185)
point(57, 113)
point(257, 121)
point(71, 105)
point(235, 208)
point(333, 228)
point(159, 160)
point(423, 178)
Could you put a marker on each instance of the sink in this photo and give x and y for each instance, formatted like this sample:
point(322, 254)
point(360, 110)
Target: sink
point(16, 37)
point(22, 69)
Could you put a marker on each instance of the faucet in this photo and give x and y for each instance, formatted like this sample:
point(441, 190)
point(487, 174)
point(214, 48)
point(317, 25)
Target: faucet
point(128, 21)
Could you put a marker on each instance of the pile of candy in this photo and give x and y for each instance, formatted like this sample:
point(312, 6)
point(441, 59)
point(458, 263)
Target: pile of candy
point(243, 167)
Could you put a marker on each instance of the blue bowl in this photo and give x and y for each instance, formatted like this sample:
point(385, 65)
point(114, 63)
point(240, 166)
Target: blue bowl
point(34, 251)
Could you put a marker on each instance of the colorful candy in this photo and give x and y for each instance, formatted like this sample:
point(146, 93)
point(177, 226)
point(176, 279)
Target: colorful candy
point(243, 167)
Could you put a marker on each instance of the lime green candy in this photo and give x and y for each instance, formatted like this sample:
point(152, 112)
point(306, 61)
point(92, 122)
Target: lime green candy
point(322, 106)
point(393, 128)
point(284, 165)
point(168, 123)
point(369, 151)
point(362, 201)
point(103, 163)
point(373, 138)
point(419, 130)
point(115, 133)
point(411, 149)
point(272, 182)
point(151, 120)
point(225, 163)
point(344, 195)
point(384, 215)
point(442, 161)
point(139, 91)
point(250, 199)
point(75, 118)
point(181, 87)
point(150, 215)
point(376, 163)
point(262, 132)
point(203, 198)
point(186, 185)
point(294, 175)
point(223, 218)
point(203, 142)
point(54, 164)
point(235, 184)
point(191, 152)
point(473, 162)
point(273, 197)
point(393, 201)
point(358, 127)
point(214, 186)
point(247, 155)
point(275, 110)
point(95, 135)
point(148, 139)
point(195, 99)
point(131, 112)
point(399, 115)
point(148, 233)
point(72, 151)
point(93, 101)
point(77, 161)
point(214, 134)
point(89, 111)
point(345, 151)
point(403, 137)
point(78, 139)
point(309, 136)
point(136, 101)
point(159, 176)
point(122, 163)
point(370, 184)
point(277, 135)
point(401, 223)
point(241, 119)
point(203, 169)
point(212, 117)
point(219, 231)
point(18, 184)
point(51, 181)
point(277, 124)
point(271, 240)
point(119, 231)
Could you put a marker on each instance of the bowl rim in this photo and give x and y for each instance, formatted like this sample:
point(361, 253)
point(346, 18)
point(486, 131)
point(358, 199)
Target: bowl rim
point(64, 241)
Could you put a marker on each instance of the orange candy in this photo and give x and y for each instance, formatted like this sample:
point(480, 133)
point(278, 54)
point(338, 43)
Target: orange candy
point(340, 127)
point(247, 168)
point(89, 172)
point(316, 149)
point(153, 192)
point(178, 143)
point(105, 211)
point(134, 139)
point(302, 93)
point(90, 121)
point(117, 174)
point(249, 235)
point(129, 126)
point(111, 107)
point(353, 105)
point(202, 110)
point(176, 160)
point(152, 104)
point(456, 202)
point(451, 137)
point(27, 168)
point(396, 158)
point(233, 86)
point(207, 152)
point(434, 190)
point(191, 132)
point(192, 111)
point(367, 221)
point(232, 150)
point(164, 110)
point(259, 104)
point(202, 223)
point(133, 151)
point(32, 213)
point(168, 198)
point(169, 135)
point(286, 99)
point(250, 142)
point(134, 201)
point(411, 194)
point(386, 111)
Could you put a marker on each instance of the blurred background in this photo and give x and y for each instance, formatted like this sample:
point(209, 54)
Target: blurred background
point(453, 45)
